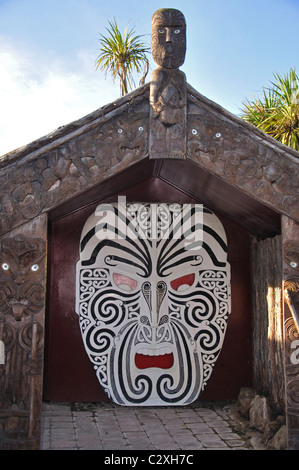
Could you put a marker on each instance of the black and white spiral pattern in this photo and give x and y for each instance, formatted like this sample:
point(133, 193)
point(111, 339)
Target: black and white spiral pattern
point(132, 298)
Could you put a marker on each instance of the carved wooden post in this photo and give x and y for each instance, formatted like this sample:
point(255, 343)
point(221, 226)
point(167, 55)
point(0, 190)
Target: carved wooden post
point(22, 309)
point(290, 233)
point(168, 89)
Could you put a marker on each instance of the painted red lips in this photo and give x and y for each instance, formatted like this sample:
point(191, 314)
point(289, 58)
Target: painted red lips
point(144, 361)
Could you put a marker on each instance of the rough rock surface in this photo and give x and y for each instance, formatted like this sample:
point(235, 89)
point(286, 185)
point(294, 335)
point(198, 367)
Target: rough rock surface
point(264, 418)
point(260, 413)
point(245, 399)
point(279, 440)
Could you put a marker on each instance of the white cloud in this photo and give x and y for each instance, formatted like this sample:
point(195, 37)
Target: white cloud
point(36, 99)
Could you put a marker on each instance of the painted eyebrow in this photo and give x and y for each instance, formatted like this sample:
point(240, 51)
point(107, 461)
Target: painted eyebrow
point(145, 264)
point(170, 253)
point(139, 249)
point(141, 246)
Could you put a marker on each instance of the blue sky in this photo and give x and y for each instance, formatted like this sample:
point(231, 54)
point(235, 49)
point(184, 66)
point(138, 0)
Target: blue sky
point(48, 50)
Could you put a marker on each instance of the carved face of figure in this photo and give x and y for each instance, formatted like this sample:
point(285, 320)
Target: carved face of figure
point(153, 299)
point(21, 261)
point(168, 38)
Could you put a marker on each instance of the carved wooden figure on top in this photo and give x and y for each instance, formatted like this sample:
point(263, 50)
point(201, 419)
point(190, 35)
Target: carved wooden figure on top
point(168, 89)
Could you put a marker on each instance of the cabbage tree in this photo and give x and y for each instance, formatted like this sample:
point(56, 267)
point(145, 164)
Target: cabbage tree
point(277, 112)
point(122, 54)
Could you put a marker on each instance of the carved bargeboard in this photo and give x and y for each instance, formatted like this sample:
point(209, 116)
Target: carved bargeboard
point(73, 166)
point(153, 299)
point(22, 297)
point(290, 232)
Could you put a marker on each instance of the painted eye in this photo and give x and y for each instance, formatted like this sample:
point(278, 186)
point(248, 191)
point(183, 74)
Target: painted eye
point(161, 31)
point(34, 267)
point(5, 266)
point(124, 282)
point(177, 31)
point(182, 283)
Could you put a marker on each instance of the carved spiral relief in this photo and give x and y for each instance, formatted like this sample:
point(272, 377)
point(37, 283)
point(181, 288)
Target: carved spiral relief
point(59, 174)
point(22, 296)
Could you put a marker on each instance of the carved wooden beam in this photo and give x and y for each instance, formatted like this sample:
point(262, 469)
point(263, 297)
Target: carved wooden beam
point(78, 159)
point(290, 234)
point(242, 155)
point(22, 310)
point(59, 167)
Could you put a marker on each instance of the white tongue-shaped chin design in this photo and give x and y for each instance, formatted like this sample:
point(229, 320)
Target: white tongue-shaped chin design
point(153, 300)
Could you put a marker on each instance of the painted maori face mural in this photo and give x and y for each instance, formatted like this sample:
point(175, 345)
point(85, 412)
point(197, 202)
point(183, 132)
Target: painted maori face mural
point(168, 40)
point(153, 299)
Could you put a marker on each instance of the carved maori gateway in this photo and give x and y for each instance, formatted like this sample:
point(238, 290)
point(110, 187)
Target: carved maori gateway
point(165, 131)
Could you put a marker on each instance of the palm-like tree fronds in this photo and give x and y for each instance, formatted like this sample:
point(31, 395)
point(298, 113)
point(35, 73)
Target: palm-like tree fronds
point(122, 55)
point(277, 112)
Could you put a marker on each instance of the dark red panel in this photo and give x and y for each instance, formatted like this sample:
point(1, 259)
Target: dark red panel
point(69, 374)
point(233, 369)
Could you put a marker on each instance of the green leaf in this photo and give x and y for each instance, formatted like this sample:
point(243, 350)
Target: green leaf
point(277, 112)
point(122, 54)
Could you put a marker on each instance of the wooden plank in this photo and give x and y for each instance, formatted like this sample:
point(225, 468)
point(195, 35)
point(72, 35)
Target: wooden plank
point(221, 197)
point(22, 311)
point(195, 182)
point(268, 351)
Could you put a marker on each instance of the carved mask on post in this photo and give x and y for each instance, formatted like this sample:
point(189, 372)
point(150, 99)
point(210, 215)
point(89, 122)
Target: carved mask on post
point(153, 299)
point(168, 38)
point(21, 262)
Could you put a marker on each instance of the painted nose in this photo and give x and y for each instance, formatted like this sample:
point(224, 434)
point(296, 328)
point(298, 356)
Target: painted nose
point(154, 299)
point(160, 294)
